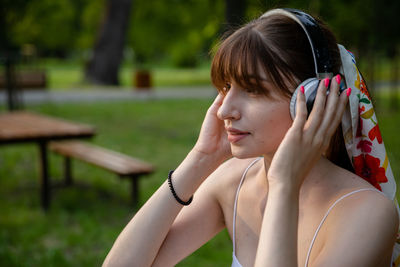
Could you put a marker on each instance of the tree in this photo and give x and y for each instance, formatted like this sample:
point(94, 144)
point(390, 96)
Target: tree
point(387, 38)
point(179, 33)
point(9, 11)
point(108, 51)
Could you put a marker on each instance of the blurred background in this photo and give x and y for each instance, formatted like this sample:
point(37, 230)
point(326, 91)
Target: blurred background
point(80, 42)
point(53, 50)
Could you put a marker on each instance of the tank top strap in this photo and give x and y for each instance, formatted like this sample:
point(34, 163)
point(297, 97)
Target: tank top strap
point(235, 204)
point(327, 213)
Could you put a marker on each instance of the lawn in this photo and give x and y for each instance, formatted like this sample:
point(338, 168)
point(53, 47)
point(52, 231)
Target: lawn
point(66, 75)
point(84, 220)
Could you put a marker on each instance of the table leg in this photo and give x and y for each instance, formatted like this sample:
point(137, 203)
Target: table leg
point(45, 183)
point(67, 171)
point(135, 191)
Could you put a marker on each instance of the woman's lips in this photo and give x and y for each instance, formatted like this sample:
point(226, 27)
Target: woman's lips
point(235, 135)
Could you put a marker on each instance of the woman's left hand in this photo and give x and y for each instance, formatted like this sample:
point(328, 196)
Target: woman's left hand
point(307, 139)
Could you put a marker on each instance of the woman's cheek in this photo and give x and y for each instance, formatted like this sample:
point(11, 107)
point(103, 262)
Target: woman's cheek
point(273, 131)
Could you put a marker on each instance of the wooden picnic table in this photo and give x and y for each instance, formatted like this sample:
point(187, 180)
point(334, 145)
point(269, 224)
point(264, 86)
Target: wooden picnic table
point(27, 127)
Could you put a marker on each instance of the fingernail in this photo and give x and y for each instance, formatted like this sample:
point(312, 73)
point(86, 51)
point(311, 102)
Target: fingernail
point(302, 89)
point(348, 92)
point(326, 81)
point(338, 78)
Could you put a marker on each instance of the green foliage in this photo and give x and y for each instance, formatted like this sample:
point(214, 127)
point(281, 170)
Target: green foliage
point(181, 31)
point(47, 28)
point(61, 25)
point(89, 21)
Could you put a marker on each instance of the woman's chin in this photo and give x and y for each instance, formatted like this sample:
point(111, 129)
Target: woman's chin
point(241, 153)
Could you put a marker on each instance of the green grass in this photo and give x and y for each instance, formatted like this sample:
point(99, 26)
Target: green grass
point(64, 78)
point(66, 75)
point(84, 220)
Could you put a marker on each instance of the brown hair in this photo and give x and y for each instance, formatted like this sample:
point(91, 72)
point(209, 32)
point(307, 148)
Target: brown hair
point(278, 46)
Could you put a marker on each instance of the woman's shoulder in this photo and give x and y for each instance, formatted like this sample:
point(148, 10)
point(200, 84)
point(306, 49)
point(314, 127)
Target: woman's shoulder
point(350, 191)
point(355, 195)
point(358, 215)
point(365, 213)
point(231, 171)
point(226, 177)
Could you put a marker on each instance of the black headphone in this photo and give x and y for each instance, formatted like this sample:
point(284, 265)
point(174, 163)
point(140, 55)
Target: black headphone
point(321, 55)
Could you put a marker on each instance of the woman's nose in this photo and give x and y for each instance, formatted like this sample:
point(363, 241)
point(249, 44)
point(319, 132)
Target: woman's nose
point(228, 110)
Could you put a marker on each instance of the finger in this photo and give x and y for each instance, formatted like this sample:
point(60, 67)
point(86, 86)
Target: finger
point(317, 112)
point(341, 107)
point(219, 99)
point(331, 106)
point(216, 104)
point(301, 110)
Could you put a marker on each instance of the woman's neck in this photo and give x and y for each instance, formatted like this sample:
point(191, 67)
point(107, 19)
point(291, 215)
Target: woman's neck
point(320, 170)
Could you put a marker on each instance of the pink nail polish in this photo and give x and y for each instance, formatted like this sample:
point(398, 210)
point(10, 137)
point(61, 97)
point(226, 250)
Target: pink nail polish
point(326, 81)
point(302, 89)
point(338, 78)
point(348, 92)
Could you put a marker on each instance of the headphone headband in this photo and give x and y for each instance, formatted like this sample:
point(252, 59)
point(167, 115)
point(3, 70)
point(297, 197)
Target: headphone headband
point(318, 43)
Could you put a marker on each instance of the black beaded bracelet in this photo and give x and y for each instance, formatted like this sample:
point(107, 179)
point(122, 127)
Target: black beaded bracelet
point(174, 193)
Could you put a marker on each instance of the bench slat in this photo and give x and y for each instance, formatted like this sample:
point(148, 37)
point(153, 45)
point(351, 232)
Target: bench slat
point(110, 160)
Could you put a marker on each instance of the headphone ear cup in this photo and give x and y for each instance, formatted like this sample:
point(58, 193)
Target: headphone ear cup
point(310, 92)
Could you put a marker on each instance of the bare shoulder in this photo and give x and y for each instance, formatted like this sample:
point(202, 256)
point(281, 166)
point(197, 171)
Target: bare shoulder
point(372, 206)
point(361, 228)
point(367, 204)
point(363, 206)
point(232, 169)
point(225, 179)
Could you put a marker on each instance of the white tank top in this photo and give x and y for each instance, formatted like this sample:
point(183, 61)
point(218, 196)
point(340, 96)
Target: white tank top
point(235, 261)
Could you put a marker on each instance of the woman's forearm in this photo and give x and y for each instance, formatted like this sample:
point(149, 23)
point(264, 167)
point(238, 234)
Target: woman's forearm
point(140, 241)
point(278, 238)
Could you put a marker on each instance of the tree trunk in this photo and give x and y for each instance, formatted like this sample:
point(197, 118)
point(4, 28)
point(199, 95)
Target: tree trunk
point(235, 11)
point(108, 51)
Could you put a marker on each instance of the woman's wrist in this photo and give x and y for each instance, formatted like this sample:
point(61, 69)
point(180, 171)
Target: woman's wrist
point(209, 161)
point(283, 186)
point(191, 173)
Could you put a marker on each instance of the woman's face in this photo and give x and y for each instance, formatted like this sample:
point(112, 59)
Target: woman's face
point(255, 124)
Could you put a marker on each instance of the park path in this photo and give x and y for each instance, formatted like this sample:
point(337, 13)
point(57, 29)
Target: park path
point(111, 94)
point(118, 94)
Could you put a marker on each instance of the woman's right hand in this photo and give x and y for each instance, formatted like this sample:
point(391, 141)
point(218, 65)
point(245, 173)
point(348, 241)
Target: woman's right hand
point(213, 139)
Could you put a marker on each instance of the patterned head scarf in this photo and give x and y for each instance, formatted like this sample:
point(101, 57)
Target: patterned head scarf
point(361, 132)
point(363, 138)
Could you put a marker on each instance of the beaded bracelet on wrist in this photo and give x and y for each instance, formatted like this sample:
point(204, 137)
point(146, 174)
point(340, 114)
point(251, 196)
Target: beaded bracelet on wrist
point(180, 201)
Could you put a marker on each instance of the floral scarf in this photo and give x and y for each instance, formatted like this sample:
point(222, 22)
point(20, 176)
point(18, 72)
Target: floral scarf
point(363, 138)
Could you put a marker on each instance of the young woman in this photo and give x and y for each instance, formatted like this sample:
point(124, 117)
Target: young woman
point(269, 179)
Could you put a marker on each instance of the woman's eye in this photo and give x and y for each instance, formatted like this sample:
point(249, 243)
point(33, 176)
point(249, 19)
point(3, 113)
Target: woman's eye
point(226, 88)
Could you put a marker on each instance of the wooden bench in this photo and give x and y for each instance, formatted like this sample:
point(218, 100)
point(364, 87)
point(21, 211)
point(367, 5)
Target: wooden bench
point(120, 164)
point(27, 79)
